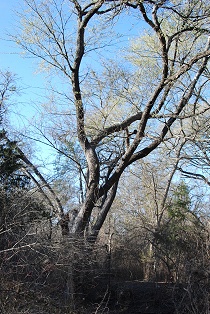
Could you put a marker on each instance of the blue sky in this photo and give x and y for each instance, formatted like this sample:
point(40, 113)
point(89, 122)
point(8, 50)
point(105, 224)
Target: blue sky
point(28, 82)
point(10, 58)
point(31, 84)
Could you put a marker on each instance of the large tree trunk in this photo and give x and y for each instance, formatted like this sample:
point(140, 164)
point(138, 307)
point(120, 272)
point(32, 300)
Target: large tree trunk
point(103, 213)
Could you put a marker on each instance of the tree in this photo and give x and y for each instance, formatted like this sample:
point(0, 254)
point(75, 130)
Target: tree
point(195, 160)
point(159, 222)
point(18, 207)
point(170, 64)
point(9, 159)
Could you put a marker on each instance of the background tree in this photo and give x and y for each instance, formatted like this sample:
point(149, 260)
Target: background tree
point(158, 225)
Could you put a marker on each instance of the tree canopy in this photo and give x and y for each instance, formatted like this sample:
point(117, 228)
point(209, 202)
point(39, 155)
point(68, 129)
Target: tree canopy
point(119, 110)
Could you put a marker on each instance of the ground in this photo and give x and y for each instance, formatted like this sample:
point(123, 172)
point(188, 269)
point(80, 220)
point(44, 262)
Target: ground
point(137, 297)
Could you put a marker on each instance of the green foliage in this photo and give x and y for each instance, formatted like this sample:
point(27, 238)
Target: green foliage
point(10, 165)
point(180, 204)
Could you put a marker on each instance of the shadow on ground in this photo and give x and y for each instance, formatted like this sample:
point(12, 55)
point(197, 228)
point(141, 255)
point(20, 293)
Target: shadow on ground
point(136, 297)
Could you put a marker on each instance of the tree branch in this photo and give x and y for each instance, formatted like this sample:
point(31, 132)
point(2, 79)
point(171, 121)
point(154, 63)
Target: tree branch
point(194, 175)
point(115, 128)
point(23, 157)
